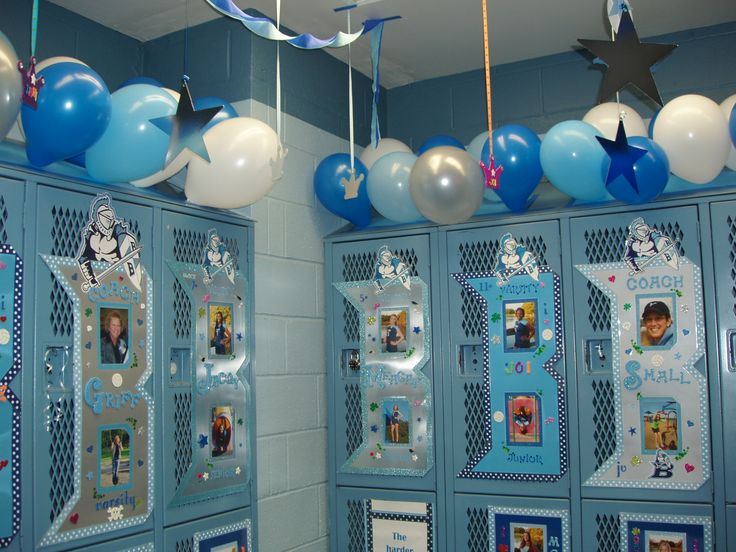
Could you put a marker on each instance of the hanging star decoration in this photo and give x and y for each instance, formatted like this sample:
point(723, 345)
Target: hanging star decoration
point(32, 84)
point(623, 156)
point(492, 174)
point(629, 61)
point(185, 127)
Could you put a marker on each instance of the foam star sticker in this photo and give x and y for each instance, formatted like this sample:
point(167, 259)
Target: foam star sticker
point(632, 431)
point(206, 476)
point(237, 470)
point(185, 127)
point(417, 329)
point(492, 174)
point(629, 61)
point(623, 156)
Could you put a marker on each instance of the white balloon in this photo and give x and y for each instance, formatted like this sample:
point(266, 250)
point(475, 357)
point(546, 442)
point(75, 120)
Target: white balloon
point(246, 160)
point(726, 108)
point(179, 162)
point(604, 117)
point(475, 147)
point(694, 134)
point(41, 65)
point(174, 93)
point(385, 145)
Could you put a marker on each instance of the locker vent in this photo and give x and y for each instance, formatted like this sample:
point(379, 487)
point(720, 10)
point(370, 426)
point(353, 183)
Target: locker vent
point(360, 266)
point(353, 421)
point(481, 256)
point(732, 256)
point(61, 452)
point(182, 434)
point(607, 532)
point(477, 530)
point(356, 526)
point(3, 220)
point(65, 238)
point(182, 313)
point(603, 421)
point(185, 545)
point(474, 438)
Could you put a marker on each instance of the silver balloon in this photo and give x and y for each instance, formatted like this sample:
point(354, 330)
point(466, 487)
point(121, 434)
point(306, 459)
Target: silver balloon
point(11, 86)
point(446, 185)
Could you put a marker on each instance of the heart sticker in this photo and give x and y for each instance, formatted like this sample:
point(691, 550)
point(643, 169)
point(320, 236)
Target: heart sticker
point(88, 345)
point(689, 468)
point(690, 423)
point(685, 332)
point(612, 279)
point(140, 322)
point(90, 448)
point(140, 463)
point(74, 518)
point(75, 276)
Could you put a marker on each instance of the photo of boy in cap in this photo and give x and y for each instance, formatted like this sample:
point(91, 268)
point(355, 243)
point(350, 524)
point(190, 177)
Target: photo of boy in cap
point(656, 325)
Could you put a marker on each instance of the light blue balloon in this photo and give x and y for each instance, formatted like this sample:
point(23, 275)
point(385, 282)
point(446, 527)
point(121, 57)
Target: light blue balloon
point(475, 147)
point(572, 158)
point(388, 187)
point(132, 147)
point(227, 111)
point(73, 112)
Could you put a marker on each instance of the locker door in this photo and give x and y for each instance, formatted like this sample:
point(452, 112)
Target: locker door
point(60, 217)
point(184, 239)
point(723, 221)
point(12, 452)
point(355, 261)
point(476, 251)
point(601, 239)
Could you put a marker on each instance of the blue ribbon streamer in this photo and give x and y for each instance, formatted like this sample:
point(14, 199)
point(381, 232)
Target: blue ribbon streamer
point(265, 28)
point(376, 36)
point(34, 27)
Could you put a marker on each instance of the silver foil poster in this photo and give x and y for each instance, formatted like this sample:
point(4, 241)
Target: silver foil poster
point(220, 424)
point(396, 409)
point(657, 333)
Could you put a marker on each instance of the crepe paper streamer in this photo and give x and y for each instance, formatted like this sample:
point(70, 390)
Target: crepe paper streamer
point(265, 28)
point(487, 60)
point(376, 36)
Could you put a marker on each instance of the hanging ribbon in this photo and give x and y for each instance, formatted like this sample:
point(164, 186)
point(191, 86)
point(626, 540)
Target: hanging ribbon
point(491, 172)
point(350, 104)
point(34, 27)
point(278, 73)
point(265, 28)
point(376, 36)
point(31, 84)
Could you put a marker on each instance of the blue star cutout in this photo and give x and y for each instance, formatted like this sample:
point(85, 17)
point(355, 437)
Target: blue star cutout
point(417, 329)
point(90, 475)
point(374, 428)
point(202, 440)
point(185, 127)
point(678, 356)
point(632, 431)
point(623, 156)
point(239, 336)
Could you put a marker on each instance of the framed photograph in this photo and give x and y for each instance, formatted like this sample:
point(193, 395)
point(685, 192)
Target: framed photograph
point(657, 319)
point(523, 419)
point(394, 322)
point(230, 538)
point(114, 453)
point(662, 541)
point(660, 424)
point(528, 537)
point(113, 337)
point(221, 441)
point(397, 421)
point(520, 325)
point(220, 317)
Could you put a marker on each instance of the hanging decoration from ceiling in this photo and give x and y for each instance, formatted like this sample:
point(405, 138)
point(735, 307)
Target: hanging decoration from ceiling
point(397, 436)
point(523, 390)
point(111, 295)
point(660, 397)
point(221, 422)
point(11, 299)
point(265, 28)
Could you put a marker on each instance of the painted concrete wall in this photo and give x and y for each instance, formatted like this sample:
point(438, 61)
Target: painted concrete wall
point(544, 91)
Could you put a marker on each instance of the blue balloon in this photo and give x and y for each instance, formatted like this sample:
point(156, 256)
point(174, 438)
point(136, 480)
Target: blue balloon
point(732, 124)
point(73, 112)
point(652, 173)
point(140, 80)
point(650, 130)
point(572, 158)
point(227, 111)
point(132, 147)
point(516, 149)
point(439, 140)
point(78, 160)
point(329, 187)
point(388, 187)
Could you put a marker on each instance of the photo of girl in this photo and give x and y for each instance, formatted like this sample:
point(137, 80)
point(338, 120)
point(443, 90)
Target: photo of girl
point(528, 539)
point(220, 333)
point(114, 457)
point(393, 331)
point(396, 414)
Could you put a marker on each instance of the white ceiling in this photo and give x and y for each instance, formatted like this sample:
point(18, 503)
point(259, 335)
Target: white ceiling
point(433, 38)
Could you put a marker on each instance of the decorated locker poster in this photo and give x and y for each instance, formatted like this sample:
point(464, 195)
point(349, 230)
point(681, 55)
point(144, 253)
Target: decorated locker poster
point(397, 397)
point(661, 399)
point(524, 395)
point(399, 526)
point(646, 532)
point(111, 294)
point(513, 529)
point(11, 295)
point(235, 537)
point(220, 391)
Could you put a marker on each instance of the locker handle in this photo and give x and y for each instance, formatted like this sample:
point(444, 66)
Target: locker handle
point(731, 350)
